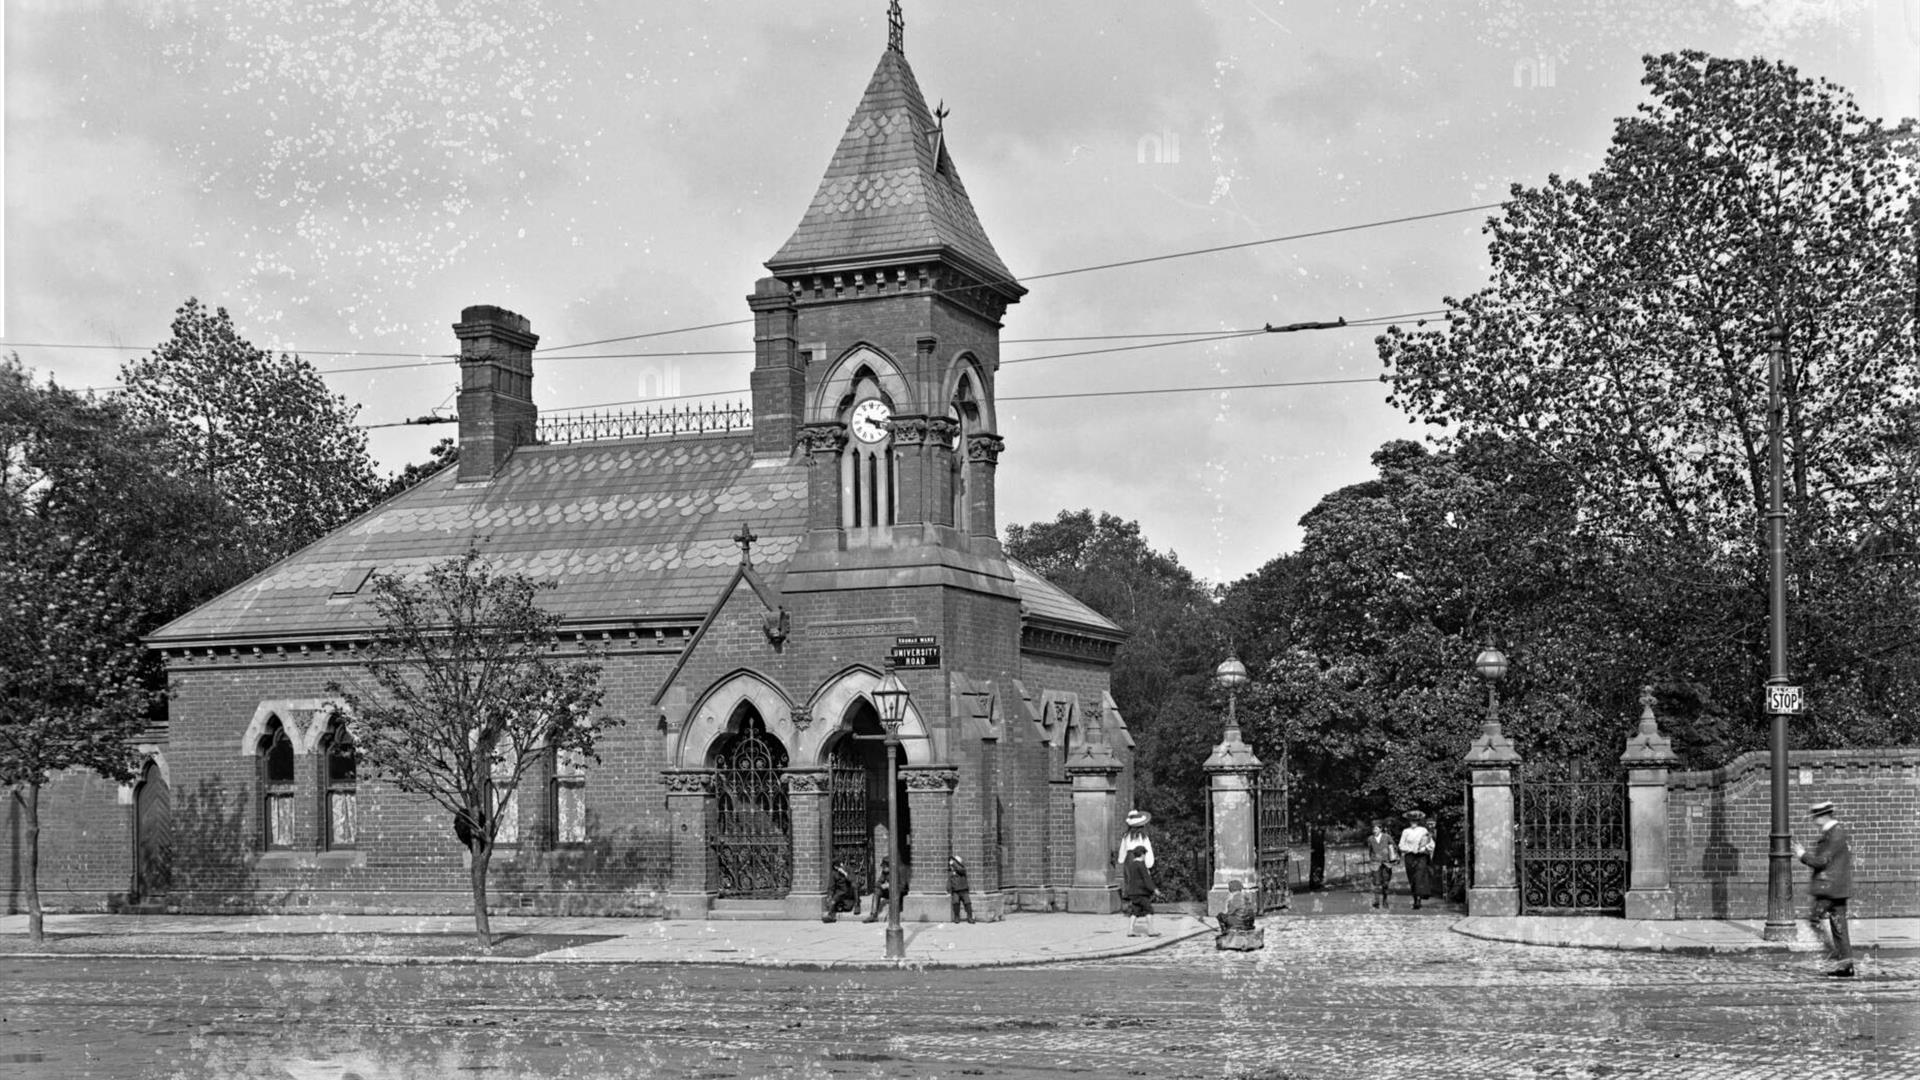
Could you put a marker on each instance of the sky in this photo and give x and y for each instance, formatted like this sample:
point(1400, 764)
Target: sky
point(344, 176)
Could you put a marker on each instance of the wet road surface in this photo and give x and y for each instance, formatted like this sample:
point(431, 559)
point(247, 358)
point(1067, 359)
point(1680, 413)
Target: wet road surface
point(1333, 996)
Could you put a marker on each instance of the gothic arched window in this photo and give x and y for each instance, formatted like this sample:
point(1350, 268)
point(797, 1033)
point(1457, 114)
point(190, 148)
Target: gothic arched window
point(341, 791)
point(868, 494)
point(964, 411)
point(275, 750)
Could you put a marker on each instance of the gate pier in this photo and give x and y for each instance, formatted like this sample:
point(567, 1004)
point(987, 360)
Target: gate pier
point(1647, 760)
point(1230, 773)
point(1493, 885)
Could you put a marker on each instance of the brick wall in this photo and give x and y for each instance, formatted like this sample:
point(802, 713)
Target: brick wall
point(86, 843)
point(1718, 824)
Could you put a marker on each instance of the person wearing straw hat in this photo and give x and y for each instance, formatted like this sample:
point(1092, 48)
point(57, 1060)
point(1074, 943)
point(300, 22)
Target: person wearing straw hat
point(1832, 862)
point(1416, 849)
point(1136, 836)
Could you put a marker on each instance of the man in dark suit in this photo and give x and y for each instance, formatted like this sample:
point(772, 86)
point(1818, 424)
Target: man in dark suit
point(1832, 862)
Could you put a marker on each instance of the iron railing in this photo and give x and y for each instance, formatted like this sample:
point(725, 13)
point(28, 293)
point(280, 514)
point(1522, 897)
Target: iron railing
point(646, 424)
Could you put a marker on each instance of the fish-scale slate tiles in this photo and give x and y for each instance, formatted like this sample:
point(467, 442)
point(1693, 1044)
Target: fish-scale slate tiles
point(623, 529)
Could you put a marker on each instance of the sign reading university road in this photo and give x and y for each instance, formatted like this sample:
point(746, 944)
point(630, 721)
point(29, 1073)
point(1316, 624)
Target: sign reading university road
point(916, 651)
point(1784, 700)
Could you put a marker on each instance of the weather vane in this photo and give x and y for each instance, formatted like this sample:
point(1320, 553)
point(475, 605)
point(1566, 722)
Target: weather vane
point(896, 27)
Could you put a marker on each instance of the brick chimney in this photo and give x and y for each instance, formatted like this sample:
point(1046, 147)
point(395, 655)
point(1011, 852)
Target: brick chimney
point(779, 378)
point(496, 388)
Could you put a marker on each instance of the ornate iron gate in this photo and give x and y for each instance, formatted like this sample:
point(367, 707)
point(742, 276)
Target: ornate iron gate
point(1271, 855)
point(1571, 839)
point(752, 838)
point(852, 838)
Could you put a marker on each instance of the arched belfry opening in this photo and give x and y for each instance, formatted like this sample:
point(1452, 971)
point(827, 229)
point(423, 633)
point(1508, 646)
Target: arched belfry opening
point(964, 410)
point(857, 780)
point(752, 829)
point(869, 491)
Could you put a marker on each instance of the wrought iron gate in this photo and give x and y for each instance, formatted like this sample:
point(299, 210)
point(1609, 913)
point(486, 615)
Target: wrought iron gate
point(1571, 840)
point(852, 838)
point(1270, 823)
point(752, 838)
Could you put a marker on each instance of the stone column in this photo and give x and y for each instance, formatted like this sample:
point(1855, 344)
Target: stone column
point(930, 802)
point(689, 895)
point(822, 444)
point(1492, 760)
point(807, 813)
point(1231, 770)
point(1092, 770)
point(1648, 758)
point(983, 459)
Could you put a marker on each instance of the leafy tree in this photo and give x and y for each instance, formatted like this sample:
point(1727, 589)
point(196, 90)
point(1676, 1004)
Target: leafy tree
point(444, 453)
point(1625, 336)
point(262, 430)
point(1162, 672)
point(79, 567)
point(462, 692)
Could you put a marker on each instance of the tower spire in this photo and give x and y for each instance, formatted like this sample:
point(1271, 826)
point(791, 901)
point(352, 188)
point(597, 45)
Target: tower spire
point(896, 27)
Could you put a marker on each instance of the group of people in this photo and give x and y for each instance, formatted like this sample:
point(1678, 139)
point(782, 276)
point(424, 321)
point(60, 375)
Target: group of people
point(844, 893)
point(1412, 849)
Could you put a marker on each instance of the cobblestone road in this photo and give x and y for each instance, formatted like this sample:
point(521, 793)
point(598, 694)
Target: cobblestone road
point(1345, 996)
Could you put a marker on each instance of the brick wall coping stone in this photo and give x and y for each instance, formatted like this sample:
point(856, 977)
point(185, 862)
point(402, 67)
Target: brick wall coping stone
point(1757, 760)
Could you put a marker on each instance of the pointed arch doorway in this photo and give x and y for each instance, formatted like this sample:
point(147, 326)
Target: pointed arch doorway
point(857, 779)
point(752, 836)
point(152, 835)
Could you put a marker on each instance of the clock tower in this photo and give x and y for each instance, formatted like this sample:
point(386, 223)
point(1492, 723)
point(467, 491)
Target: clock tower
point(876, 348)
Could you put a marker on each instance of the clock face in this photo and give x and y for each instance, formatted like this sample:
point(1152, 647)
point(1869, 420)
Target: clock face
point(869, 421)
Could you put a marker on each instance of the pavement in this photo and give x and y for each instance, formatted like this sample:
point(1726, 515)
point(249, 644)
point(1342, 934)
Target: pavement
point(1020, 939)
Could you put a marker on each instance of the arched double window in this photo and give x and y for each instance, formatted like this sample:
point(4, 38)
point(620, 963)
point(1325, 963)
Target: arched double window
point(868, 494)
point(275, 751)
point(340, 788)
point(964, 411)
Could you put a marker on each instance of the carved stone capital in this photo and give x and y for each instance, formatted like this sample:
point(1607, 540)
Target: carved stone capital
point(806, 782)
point(942, 430)
point(909, 430)
point(688, 783)
point(931, 779)
point(823, 438)
point(985, 448)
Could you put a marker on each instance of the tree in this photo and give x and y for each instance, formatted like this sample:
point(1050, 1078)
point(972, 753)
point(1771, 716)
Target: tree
point(1625, 336)
point(262, 430)
point(444, 453)
point(1161, 674)
point(462, 692)
point(77, 502)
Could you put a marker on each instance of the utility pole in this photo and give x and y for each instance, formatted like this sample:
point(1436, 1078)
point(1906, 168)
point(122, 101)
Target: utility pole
point(1782, 698)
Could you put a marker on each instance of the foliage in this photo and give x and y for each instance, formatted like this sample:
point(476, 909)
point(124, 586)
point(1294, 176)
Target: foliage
point(1625, 332)
point(262, 430)
point(463, 691)
point(1161, 676)
point(1625, 338)
point(444, 453)
point(78, 507)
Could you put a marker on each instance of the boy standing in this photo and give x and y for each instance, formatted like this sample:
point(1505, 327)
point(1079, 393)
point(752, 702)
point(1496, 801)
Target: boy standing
point(1385, 855)
point(958, 890)
point(1832, 862)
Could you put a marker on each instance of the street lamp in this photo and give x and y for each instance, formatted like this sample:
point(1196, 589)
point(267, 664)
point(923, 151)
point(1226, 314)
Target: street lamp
point(891, 698)
point(1231, 675)
point(1491, 666)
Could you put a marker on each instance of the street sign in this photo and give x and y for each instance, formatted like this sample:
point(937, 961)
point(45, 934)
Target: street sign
point(1784, 700)
point(916, 651)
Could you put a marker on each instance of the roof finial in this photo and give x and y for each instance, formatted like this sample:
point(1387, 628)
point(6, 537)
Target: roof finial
point(896, 27)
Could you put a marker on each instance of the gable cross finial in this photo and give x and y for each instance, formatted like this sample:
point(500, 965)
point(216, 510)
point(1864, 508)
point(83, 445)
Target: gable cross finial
point(745, 539)
point(896, 27)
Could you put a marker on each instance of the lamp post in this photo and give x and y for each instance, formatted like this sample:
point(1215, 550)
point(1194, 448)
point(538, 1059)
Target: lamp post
point(1231, 675)
point(891, 697)
point(1780, 922)
point(1491, 666)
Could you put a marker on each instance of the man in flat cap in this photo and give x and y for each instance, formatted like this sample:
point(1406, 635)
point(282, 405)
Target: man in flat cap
point(1832, 862)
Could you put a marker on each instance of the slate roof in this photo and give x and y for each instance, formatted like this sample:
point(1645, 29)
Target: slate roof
point(633, 529)
point(885, 193)
point(1043, 599)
